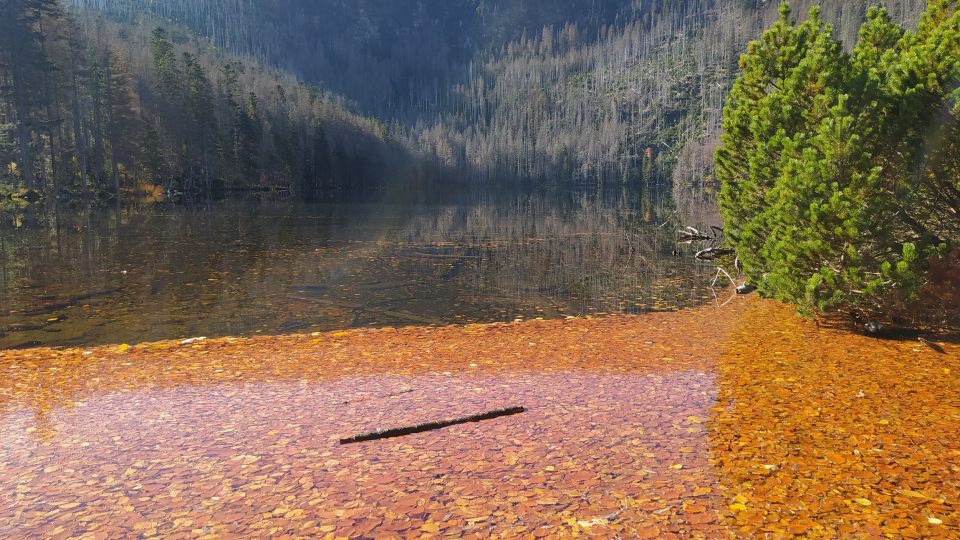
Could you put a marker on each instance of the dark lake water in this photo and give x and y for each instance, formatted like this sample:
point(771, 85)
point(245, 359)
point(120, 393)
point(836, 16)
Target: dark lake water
point(243, 267)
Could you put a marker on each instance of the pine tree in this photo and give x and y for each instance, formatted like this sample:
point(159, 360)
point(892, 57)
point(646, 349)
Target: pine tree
point(828, 190)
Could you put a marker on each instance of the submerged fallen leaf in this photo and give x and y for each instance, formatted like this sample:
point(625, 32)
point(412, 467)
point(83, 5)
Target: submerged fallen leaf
point(237, 438)
point(594, 522)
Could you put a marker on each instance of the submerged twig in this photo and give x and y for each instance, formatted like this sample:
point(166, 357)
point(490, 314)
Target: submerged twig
point(69, 302)
point(384, 396)
point(431, 426)
point(932, 345)
point(712, 253)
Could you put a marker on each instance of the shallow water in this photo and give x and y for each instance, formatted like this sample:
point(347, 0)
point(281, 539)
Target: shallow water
point(733, 422)
point(248, 267)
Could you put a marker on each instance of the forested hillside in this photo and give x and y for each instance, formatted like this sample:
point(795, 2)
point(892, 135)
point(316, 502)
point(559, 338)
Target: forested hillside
point(89, 108)
point(396, 58)
point(553, 91)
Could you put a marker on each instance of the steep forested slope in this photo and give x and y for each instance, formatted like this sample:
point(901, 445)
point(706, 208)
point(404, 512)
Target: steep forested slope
point(553, 90)
point(88, 107)
point(395, 58)
point(593, 89)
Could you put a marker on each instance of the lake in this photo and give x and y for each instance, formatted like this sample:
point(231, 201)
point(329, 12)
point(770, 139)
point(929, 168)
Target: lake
point(267, 265)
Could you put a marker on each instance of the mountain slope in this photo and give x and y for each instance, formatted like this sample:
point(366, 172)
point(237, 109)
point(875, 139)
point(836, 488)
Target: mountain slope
point(551, 91)
point(92, 108)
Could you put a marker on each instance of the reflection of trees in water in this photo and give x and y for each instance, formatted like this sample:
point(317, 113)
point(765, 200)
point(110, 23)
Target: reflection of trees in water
point(589, 254)
point(240, 266)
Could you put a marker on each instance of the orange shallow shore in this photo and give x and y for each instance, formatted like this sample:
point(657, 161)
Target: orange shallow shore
point(741, 421)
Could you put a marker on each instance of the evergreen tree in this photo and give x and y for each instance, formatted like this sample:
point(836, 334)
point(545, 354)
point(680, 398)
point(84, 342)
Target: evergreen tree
point(25, 63)
point(164, 60)
point(827, 161)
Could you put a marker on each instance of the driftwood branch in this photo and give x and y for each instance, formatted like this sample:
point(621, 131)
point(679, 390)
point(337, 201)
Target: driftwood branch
point(712, 253)
point(692, 235)
point(720, 270)
point(431, 426)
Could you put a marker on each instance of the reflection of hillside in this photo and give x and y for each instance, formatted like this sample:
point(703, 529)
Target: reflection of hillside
point(588, 255)
point(245, 267)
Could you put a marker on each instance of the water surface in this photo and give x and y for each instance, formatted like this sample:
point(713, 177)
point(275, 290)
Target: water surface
point(242, 267)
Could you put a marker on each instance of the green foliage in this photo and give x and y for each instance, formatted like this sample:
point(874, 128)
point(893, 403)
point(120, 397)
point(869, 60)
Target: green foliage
point(164, 59)
point(841, 171)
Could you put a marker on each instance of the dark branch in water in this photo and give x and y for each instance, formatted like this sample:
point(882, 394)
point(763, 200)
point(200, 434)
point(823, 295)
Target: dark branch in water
point(431, 426)
point(712, 253)
point(692, 235)
point(932, 345)
point(73, 300)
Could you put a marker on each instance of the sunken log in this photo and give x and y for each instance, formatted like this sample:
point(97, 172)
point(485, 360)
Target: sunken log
point(431, 426)
point(69, 302)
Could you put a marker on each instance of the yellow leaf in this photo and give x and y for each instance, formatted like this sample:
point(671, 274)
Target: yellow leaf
point(430, 527)
point(738, 507)
point(123, 348)
point(586, 524)
point(934, 521)
point(863, 502)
